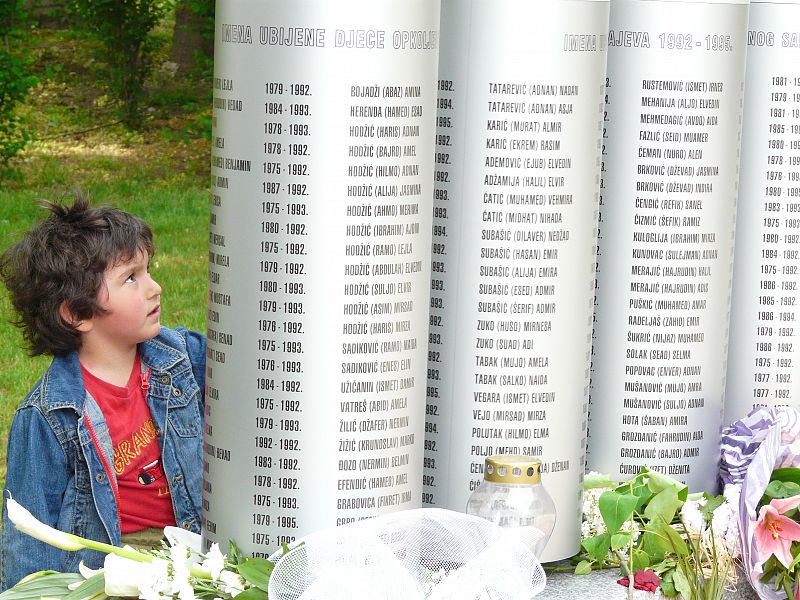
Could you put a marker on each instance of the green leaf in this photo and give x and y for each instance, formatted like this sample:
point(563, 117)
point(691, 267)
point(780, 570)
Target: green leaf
point(664, 505)
point(676, 542)
point(682, 584)
point(795, 562)
point(640, 560)
point(253, 593)
point(583, 568)
point(36, 575)
point(620, 540)
point(653, 543)
point(786, 474)
point(256, 571)
point(53, 585)
point(667, 585)
point(90, 588)
point(668, 589)
point(787, 586)
point(597, 546)
point(769, 569)
point(779, 580)
point(234, 556)
point(637, 487)
point(643, 493)
point(658, 481)
point(712, 504)
point(659, 538)
point(596, 480)
point(782, 489)
point(616, 508)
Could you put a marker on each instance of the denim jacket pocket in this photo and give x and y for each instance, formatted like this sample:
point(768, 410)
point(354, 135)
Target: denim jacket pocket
point(177, 396)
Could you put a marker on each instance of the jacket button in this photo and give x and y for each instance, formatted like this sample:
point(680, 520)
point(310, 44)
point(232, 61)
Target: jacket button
point(176, 479)
point(176, 392)
point(100, 477)
point(163, 379)
point(186, 524)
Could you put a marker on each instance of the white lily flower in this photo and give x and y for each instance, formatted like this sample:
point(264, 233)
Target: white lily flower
point(126, 578)
point(179, 554)
point(180, 582)
point(176, 536)
point(158, 586)
point(181, 585)
point(215, 561)
point(25, 522)
point(122, 576)
point(234, 584)
point(87, 572)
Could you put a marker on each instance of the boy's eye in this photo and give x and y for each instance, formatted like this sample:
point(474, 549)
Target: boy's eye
point(131, 278)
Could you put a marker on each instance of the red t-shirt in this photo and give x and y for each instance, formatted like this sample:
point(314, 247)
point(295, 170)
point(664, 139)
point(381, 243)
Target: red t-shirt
point(144, 498)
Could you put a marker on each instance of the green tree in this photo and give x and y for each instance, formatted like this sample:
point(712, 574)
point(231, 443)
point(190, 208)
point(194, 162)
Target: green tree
point(124, 27)
point(193, 37)
point(14, 83)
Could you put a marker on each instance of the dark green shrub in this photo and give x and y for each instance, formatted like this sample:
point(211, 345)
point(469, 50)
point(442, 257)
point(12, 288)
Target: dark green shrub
point(14, 83)
point(124, 28)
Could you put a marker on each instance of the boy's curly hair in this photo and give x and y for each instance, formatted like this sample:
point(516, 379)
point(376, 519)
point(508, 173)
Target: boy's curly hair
point(61, 260)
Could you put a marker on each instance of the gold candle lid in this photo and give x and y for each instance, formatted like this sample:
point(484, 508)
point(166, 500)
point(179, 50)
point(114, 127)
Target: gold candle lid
point(512, 468)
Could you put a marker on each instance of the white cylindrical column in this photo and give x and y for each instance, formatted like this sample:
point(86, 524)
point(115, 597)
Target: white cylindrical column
point(514, 230)
point(668, 198)
point(322, 179)
point(764, 353)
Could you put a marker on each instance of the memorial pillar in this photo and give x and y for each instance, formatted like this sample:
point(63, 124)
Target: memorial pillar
point(763, 355)
point(514, 230)
point(322, 179)
point(670, 169)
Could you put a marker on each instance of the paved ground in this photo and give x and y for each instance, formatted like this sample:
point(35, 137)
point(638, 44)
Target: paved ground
point(602, 585)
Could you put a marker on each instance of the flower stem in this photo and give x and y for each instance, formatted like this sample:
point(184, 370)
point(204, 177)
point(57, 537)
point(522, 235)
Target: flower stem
point(143, 557)
point(123, 552)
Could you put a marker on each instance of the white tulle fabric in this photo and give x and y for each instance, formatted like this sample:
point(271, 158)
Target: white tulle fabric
point(428, 553)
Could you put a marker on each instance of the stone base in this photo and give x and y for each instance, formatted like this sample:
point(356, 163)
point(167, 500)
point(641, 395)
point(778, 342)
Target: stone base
point(602, 585)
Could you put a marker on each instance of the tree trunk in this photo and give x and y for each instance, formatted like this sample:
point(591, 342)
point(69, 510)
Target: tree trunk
point(48, 13)
point(192, 38)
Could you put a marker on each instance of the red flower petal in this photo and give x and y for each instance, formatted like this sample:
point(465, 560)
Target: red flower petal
point(646, 577)
point(643, 580)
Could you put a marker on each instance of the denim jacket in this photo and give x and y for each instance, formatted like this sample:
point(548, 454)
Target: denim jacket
point(60, 455)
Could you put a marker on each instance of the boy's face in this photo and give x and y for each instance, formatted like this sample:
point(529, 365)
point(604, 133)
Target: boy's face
point(132, 301)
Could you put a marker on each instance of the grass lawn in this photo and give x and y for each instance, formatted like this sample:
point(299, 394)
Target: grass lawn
point(160, 174)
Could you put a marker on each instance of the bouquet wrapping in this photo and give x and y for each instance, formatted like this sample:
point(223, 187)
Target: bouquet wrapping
point(752, 448)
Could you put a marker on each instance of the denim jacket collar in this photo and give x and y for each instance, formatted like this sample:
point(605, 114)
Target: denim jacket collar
point(67, 379)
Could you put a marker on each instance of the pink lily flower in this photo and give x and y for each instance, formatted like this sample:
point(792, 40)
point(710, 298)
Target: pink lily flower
point(775, 532)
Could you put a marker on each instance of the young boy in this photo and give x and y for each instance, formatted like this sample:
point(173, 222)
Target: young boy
point(108, 444)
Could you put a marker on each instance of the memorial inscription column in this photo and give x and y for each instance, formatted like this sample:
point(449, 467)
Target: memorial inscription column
point(514, 229)
point(764, 351)
point(322, 175)
point(670, 168)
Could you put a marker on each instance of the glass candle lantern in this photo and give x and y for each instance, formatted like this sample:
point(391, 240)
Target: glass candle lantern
point(512, 495)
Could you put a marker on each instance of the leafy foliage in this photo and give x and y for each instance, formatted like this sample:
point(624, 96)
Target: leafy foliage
point(652, 501)
point(14, 83)
point(124, 27)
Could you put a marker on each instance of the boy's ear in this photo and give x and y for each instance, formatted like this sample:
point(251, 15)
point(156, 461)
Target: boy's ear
point(81, 325)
